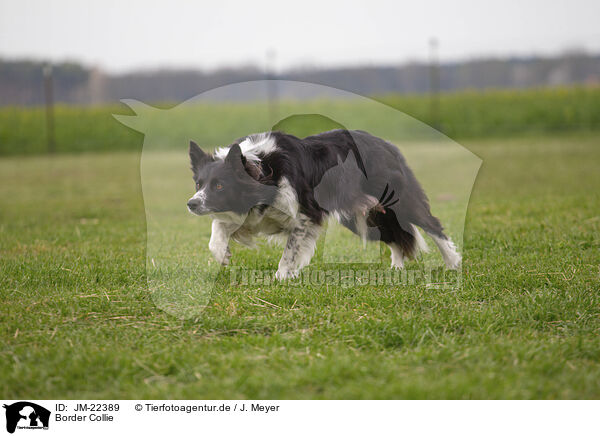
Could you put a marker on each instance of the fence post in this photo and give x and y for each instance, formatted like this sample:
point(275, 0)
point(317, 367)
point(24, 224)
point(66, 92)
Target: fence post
point(434, 84)
point(49, 101)
point(271, 87)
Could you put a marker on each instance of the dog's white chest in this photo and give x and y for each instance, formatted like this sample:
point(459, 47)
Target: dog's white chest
point(270, 222)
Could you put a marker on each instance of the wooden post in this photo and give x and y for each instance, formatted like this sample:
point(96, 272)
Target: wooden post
point(271, 87)
point(49, 100)
point(434, 85)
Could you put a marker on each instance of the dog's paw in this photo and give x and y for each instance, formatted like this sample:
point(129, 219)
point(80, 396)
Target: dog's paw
point(397, 258)
point(225, 259)
point(220, 255)
point(285, 274)
point(454, 262)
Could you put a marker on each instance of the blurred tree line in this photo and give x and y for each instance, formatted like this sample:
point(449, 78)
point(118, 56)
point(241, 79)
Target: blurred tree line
point(21, 82)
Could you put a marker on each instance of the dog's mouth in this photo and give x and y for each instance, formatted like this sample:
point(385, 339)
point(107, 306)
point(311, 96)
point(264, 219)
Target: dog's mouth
point(199, 210)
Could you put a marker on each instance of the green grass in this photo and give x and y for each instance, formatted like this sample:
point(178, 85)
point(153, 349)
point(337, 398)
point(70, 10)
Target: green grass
point(77, 319)
point(465, 114)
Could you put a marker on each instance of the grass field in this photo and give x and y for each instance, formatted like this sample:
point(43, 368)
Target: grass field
point(77, 319)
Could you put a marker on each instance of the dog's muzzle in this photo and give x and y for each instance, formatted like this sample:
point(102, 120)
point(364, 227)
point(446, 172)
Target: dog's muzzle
point(196, 206)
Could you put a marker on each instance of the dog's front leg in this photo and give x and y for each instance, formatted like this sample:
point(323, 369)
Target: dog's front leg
point(298, 250)
point(219, 242)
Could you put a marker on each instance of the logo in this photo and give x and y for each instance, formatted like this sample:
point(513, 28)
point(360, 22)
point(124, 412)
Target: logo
point(26, 415)
point(445, 168)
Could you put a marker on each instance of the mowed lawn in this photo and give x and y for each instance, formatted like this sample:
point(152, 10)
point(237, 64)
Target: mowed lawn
point(77, 319)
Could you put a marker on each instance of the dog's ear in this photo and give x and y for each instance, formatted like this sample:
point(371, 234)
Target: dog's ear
point(253, 169)
point(237, 160)
point(197, 157)
point(235, 157)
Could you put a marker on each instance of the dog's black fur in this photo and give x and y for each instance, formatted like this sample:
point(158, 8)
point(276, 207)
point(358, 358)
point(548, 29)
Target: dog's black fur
point(341, 172)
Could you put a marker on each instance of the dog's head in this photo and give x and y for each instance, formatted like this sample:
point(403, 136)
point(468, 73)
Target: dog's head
point(234, 184)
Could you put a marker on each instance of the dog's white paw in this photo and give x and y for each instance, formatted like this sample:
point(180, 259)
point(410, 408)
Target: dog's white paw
point(453, 261)
point(397, 257)
point(450, 254)
point(221, 255)
point(285, 274)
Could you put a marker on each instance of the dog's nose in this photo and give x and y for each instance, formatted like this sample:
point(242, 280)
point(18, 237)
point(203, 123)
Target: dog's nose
point(192, 204)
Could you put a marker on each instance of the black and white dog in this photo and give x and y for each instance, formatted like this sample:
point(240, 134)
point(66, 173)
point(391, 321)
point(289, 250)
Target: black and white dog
point(275, 184)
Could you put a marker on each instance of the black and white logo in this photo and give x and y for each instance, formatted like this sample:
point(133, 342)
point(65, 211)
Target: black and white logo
point(26, 415)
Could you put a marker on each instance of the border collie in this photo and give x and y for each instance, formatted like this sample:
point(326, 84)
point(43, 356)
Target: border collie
point(276, 184)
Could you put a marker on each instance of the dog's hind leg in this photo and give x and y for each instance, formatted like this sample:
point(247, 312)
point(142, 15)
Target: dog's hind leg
point(397, 256)
point(451, 256)
point(403, 239)
point(407, 244)
point(433, 228)
point(417, 213)
point(298, 250)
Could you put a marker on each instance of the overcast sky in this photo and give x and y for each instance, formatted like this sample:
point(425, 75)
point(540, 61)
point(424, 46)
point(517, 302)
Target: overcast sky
point(134, 34)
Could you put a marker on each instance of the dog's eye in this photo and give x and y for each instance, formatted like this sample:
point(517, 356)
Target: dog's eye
point(198, 185)
point(218, 186)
